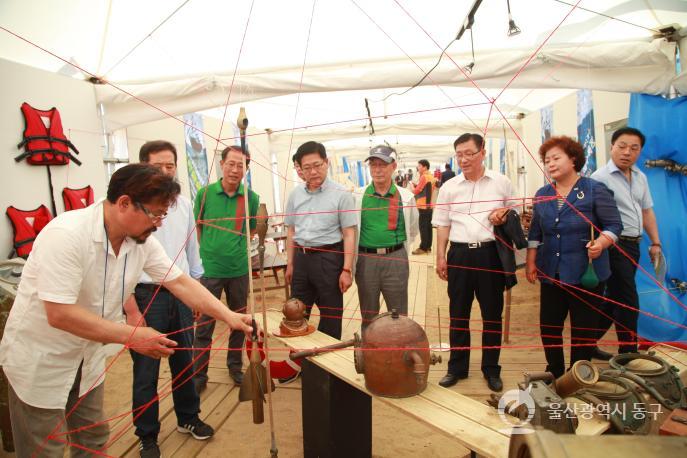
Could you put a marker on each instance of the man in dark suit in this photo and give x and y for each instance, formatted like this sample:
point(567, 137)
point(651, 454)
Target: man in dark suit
point(447, 174)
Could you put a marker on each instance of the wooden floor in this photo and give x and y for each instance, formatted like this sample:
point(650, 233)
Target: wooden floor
point(236, 435)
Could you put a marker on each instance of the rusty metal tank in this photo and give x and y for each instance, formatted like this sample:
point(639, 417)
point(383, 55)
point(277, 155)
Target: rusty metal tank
point(394, 356)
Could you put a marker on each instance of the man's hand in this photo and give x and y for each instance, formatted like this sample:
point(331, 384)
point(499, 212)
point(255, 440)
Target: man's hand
point(442, 268)
point(594, 249)
point(135, 318)
point(654, 252)
point(345, 281)
point(149, 342)
point(531, 272)
point(288, 275)
point(498, 216)
point(239, 321)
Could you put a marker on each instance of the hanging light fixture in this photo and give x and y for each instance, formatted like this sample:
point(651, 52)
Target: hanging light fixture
point(512, 28)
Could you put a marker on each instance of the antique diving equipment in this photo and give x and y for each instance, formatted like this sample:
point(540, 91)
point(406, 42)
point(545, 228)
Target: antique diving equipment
point(393, 355)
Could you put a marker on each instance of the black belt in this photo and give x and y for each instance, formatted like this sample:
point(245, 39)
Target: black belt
point(152, 287)
point(625, 238)
point(387, 250)
point(474, 244)
point(338, 246)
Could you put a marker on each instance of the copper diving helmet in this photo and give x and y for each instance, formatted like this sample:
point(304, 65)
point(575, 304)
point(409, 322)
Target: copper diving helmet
point(394, 356)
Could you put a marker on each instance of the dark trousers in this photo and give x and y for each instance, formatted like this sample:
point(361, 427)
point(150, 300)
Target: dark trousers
point(165, 314)
point(236, 290)
point(621, 288)
point(425, 225)
point(316, 277)
point(555, 303)
point(463, 286)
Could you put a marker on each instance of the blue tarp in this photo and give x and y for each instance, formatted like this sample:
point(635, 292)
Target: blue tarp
point(664, 122)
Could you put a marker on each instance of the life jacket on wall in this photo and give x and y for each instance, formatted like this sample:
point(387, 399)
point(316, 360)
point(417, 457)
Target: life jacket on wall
point(27, 224)
point(44, 140)
point(77, 198)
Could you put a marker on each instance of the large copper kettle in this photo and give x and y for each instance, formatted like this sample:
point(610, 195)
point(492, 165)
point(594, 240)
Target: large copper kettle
point(393, 355)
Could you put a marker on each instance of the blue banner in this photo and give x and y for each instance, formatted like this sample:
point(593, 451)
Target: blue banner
point(664, 122)
point(585, 129)
point(490, 151)
point(502, 156)
point(196, 155)
point(546, 123)
point(361, 178)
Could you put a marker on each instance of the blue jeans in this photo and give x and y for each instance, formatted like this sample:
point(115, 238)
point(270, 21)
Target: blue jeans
point(166, 314)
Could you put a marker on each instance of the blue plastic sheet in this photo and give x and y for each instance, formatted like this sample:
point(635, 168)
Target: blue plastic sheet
point(664, 122)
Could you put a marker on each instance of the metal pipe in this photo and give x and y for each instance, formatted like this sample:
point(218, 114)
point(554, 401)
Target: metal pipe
point(316, 351)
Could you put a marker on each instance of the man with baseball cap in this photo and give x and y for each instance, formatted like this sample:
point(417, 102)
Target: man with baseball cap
point(388, 223)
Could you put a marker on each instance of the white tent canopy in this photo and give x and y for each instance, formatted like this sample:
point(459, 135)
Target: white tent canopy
point(177, 57)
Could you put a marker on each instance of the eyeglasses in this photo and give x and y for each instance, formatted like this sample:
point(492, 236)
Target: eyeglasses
point(623, 146)
point(153, 217)
point(467, 155)
point(233, 165)
point(310, 168)
point(168, 166)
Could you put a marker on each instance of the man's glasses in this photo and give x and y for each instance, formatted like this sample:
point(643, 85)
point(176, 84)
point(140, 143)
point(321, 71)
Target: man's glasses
point(466, 155)
point(153, 217)
point(309, 168)
point(624, 146)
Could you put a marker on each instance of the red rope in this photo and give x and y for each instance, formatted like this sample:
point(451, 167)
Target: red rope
point(491, 102)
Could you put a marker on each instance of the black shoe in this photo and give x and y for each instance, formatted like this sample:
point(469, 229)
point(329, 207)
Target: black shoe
point(148, 448)
point(198, 429)
point(601, 355)
point(237, 376)
point(287, 380)
point(494, 383)
point(200, 384)
point(451, 379)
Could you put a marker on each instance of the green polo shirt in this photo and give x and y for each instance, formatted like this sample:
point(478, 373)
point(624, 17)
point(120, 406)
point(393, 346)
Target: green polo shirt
point(374, 220)
point(223, 251)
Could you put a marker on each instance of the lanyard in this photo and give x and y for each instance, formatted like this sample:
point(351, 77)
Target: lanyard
point(126, 258)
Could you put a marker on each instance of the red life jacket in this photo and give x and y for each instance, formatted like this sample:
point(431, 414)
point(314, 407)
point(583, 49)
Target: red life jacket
point(77, 198)
point(44, 141)
point(27, 224)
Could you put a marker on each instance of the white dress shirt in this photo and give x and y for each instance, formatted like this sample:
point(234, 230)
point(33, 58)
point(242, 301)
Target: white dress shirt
point(177, 232)
point(465, 206)
point(72, 262)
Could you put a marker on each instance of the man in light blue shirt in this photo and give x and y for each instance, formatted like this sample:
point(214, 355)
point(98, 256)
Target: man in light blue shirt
point(633, 198)
point(165, 313)
point(320, 239)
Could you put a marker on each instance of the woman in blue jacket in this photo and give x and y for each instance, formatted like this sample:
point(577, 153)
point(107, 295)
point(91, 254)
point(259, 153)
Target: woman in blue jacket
point(560, 248)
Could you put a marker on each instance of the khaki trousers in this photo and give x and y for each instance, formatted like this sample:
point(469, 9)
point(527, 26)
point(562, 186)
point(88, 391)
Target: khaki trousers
point(32, 425)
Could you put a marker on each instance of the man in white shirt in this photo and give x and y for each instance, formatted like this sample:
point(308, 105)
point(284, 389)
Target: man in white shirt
point(83, 267)
point(466, 211)
point(155, 306)
point(632, 195)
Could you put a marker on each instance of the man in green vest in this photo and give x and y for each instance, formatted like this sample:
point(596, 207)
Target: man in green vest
point(388, 224)
point(220, 210)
